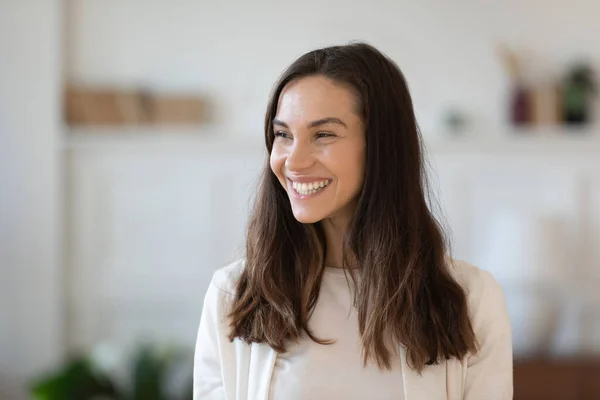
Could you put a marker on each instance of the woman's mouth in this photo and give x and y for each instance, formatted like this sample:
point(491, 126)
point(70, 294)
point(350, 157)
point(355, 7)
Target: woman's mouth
point(306, 189)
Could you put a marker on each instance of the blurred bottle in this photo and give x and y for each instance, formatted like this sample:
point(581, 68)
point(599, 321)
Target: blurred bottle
point(520, 105)
point(545, 103)
point(578, 87)
point(520, 98)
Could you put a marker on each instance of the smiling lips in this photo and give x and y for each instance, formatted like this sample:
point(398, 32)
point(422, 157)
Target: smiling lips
point(310, 188)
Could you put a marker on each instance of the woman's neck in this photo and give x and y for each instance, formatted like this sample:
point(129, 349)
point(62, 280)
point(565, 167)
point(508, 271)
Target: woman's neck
point(335, 230)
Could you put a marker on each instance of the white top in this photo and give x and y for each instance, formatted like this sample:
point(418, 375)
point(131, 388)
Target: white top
point(309, 370)
point(235, 370)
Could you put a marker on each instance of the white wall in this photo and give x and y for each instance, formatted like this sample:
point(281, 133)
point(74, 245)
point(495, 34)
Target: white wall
point(30, 279)
point(234, 50)
point(150, 223)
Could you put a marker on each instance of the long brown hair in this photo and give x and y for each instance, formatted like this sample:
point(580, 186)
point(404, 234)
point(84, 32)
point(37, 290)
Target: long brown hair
point(406, 295)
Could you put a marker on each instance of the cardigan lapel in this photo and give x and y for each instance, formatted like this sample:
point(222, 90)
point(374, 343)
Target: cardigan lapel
point(429, 385)
point(262, 362)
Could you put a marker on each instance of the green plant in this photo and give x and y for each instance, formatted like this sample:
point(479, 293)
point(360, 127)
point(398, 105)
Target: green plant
point(76, 380)
point(578, 86)
point(151, 371)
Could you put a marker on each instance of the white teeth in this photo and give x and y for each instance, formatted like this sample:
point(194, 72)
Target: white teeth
point(309, 188)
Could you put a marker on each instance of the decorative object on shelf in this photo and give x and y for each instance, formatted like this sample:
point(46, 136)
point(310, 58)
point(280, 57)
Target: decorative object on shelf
point(455, 122)
point(545, 103)
point(520, 96)
point(102, 107)
point(86, 378)
point(578, 87)
point(538, 98)
point(108, 107)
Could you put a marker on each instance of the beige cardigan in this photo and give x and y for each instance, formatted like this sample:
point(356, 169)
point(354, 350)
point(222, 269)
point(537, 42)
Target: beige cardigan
point(237, 371)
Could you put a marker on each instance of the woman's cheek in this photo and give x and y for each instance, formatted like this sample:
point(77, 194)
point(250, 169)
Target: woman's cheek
point(277, 162)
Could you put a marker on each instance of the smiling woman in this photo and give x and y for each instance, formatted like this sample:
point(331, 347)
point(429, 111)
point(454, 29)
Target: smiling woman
point(318, 152)
point(343, 196)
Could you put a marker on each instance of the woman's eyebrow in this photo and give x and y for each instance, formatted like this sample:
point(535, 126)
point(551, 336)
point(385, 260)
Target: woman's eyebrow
point(280, 123)
point(327, 120)
point(314, 124)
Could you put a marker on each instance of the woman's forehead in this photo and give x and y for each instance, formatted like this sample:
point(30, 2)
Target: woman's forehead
point(314, 98)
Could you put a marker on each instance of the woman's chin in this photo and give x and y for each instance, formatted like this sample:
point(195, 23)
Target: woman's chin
point(306, 216)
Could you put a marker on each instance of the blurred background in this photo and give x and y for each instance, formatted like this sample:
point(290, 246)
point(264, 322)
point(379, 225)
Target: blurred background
point(131, 140)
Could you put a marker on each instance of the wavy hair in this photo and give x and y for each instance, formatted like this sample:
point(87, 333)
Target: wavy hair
point(394, 249)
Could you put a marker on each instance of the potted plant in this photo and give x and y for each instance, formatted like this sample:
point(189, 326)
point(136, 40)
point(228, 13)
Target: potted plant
point(577, 90)
point(152, 374)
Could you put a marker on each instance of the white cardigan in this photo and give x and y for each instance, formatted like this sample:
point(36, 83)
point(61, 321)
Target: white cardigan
point(238, 371)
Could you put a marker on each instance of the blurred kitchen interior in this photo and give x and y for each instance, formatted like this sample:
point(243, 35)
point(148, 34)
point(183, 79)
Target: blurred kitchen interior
point(131, 140)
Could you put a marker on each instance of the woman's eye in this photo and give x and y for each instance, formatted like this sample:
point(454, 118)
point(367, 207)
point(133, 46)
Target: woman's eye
point(325, 135)
point(281, 134)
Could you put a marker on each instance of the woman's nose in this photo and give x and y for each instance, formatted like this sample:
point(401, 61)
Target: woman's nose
point(299, 158)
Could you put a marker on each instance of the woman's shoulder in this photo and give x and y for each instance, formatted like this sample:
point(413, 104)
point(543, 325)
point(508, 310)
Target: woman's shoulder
point(468, 275)
point(483, 291)
point(225, 278)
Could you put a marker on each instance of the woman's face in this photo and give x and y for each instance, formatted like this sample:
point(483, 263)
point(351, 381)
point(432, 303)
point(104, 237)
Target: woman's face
point(318, 152)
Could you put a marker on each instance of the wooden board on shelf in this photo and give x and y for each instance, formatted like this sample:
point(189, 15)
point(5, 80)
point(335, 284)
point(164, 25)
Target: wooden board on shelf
point(108, 107)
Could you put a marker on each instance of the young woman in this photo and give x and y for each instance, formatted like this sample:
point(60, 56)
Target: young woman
point(347, 290)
